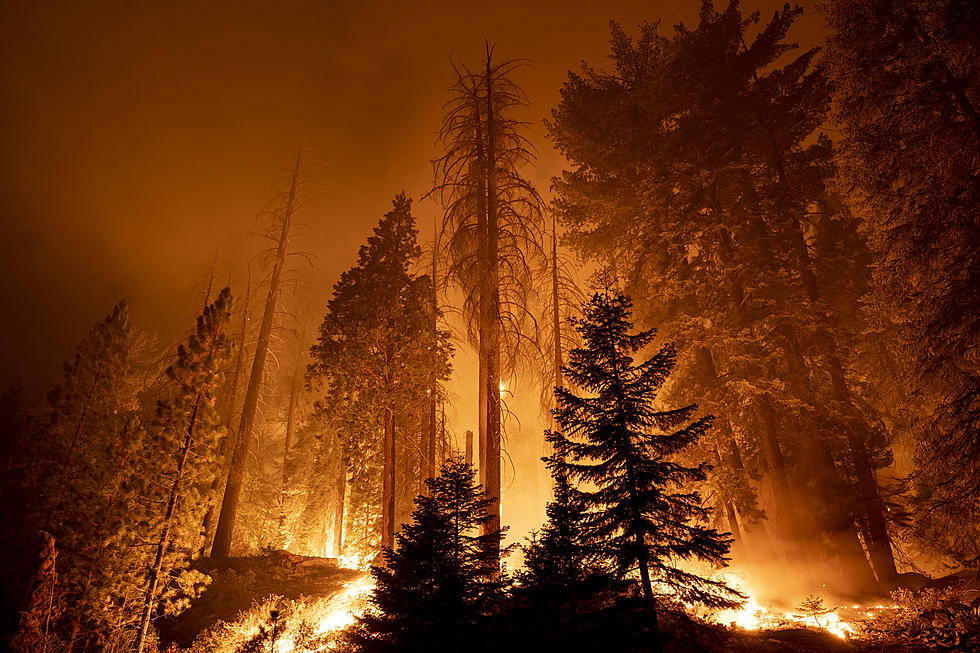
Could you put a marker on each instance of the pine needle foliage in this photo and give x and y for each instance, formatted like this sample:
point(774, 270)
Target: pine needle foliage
point(619, 450)
point(441, 580)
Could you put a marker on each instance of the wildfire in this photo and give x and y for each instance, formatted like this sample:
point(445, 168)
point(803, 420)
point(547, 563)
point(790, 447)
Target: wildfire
point(754, 616)
point(333, 614)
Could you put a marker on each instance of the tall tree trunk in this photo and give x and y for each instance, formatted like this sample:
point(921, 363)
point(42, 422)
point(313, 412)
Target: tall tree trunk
point(443, 437)
point(163, 543)
point(556, 311)
point(236, 474)
point(290, 431)
point(765, 415)
point(388, 482)
point(855, 429)
point(430, 448)
point(555, 318)
point(492, 327)
point(338, 514)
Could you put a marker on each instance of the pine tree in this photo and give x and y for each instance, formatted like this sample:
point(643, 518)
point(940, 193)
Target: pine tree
point(188, 434)
point(621, 452)
point(377, 357)
point(698, 169)
point(89, 451)
point(441, 580)
point(564, 581)
point(905, 75)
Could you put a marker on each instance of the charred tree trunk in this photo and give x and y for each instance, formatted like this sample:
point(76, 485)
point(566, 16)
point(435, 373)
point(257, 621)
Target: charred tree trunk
point(469, 447)
point(555, 310)
point(236, 474)
point(338, 514)
point(430, 448)
point(443, 437)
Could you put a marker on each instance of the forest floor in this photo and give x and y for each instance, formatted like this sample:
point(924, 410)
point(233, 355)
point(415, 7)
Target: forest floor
point(238, 584)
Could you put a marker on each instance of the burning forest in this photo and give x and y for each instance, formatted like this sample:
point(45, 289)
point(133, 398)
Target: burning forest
point(632, 327)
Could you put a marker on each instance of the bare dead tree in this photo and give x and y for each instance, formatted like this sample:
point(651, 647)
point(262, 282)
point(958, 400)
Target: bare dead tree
point(493, 236)
point(229, 505)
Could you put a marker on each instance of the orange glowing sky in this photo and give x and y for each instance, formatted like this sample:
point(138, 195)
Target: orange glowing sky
point(139, 135)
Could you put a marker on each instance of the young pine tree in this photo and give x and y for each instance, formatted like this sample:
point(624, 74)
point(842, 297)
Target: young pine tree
point(564, 583)
point(442, 579)
point(560, 564)
point(620, 451)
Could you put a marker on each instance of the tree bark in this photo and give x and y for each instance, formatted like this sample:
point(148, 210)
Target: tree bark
point(556, 312)
point(290, 430)
point(338, 515)
point(785, 502)
point(388, 483)
point(430, 449)
point(492, 327)
point(236, 474)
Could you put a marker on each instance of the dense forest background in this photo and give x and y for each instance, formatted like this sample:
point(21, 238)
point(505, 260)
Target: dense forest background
point(784, 238)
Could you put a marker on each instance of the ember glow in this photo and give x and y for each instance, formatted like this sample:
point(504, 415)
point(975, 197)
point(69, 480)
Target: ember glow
point(331, 615)
point(755, 615)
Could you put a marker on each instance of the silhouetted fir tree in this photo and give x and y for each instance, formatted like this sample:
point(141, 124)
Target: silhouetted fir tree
point(621, 454)
point(441, 580)
point(560, 564)
point(564, 582)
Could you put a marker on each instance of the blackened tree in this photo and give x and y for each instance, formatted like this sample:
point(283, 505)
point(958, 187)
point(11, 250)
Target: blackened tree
point(564, 580)
point(622, 454)
point(442, 579)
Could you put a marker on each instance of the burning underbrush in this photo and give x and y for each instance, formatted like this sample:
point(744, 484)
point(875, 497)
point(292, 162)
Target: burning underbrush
point(323, 598)
point(305, 625)
point(929, 617)
point(243, 593)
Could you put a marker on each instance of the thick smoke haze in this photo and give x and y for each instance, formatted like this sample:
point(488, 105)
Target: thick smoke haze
point(138, 137)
